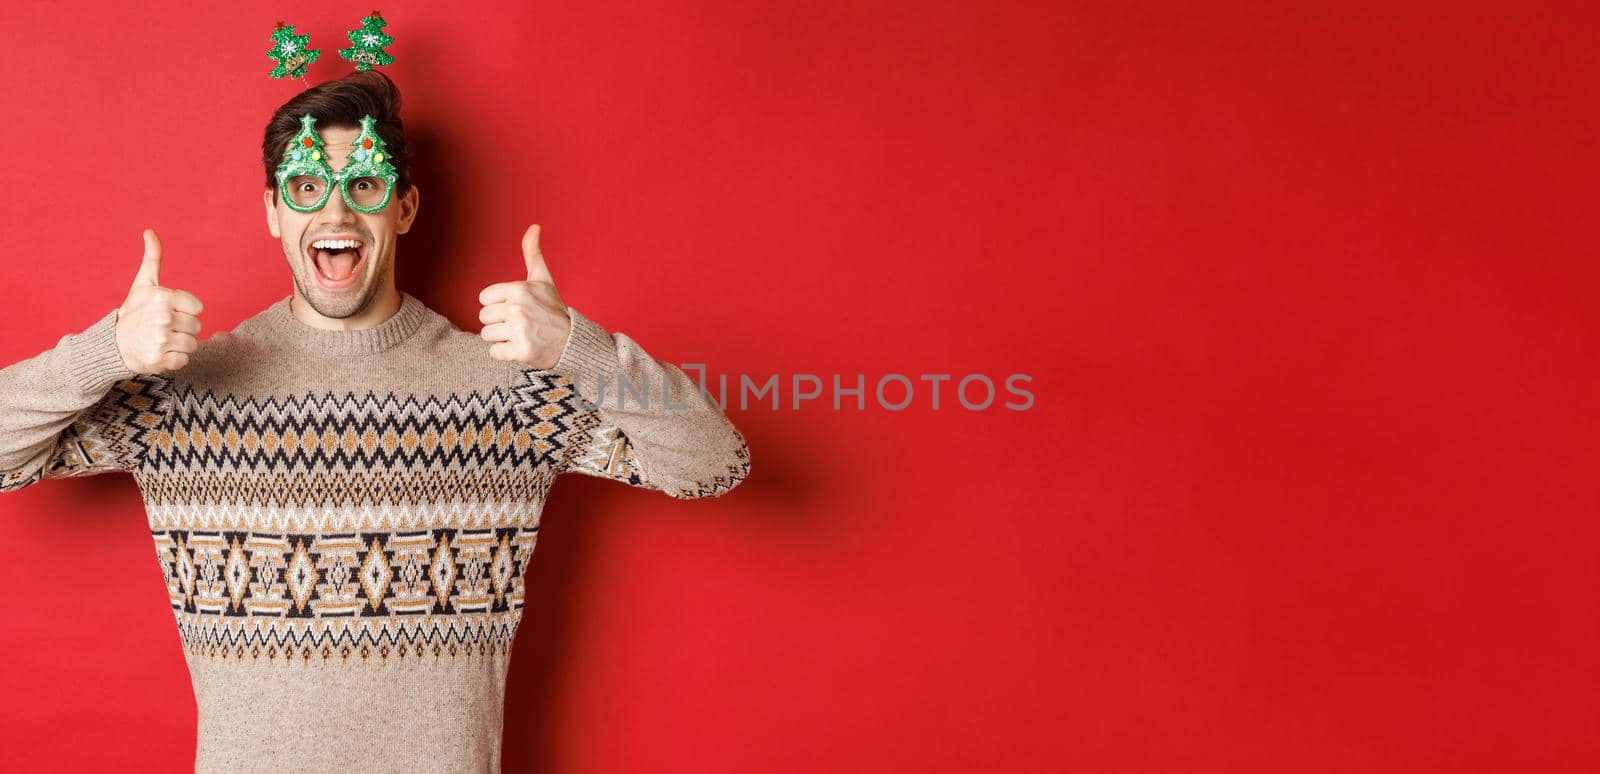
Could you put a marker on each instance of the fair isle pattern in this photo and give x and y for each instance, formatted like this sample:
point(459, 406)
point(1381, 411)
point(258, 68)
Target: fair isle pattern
point(604, 450)
point(339, 526)
point(455, 513)
point(459, 635)
point(593, 449)
point(344, 518)
point(351, 451)
point(110, 435)
point(367, 594)
point(354, 525)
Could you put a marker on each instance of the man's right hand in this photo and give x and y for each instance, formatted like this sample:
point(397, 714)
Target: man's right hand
point(156, 326)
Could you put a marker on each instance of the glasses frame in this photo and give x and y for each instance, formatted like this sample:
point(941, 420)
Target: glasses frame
point(309, 159)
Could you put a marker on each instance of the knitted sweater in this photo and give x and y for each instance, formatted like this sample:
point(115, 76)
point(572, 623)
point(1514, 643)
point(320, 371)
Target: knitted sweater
point(343, 518)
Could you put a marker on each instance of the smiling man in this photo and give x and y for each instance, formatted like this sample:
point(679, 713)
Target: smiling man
point(341, 257)
point(345, 489)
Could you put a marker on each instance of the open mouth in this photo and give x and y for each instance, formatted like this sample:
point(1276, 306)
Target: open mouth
point(337, 261)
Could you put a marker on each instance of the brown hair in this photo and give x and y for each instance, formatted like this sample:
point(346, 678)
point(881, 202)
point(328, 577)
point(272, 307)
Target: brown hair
point(341, 104)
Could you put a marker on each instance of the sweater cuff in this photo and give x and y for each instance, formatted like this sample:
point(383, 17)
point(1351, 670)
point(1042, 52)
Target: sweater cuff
point(93, 358)
point(589, 357)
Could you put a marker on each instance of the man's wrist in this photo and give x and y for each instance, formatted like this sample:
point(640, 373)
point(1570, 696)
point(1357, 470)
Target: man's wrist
point(94, 357)
point(589, 356)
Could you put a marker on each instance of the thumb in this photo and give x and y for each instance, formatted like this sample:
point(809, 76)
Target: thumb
point(150, 267)
point(537, 270)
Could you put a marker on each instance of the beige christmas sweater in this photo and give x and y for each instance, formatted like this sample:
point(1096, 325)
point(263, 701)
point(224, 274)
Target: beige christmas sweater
point(343, 518)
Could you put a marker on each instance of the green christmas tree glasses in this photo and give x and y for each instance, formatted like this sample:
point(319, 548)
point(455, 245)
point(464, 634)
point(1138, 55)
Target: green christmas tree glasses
point(306, 180)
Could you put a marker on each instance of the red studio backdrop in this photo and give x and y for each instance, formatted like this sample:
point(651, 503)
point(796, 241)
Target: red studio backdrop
point(1302, 297)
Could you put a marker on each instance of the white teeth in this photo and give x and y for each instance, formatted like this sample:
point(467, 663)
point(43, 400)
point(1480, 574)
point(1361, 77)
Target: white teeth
point(335, 244)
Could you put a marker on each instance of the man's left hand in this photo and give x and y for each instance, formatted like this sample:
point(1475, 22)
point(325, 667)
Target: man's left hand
point(526, 321)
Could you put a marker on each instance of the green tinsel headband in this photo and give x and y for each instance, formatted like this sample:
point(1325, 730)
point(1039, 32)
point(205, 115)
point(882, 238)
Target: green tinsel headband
point(305, 163)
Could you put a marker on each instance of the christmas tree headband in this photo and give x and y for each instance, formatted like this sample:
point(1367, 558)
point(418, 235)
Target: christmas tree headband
point(305, 179)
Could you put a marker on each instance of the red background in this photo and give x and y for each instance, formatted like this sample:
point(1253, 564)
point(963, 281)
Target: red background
point(1305, 296)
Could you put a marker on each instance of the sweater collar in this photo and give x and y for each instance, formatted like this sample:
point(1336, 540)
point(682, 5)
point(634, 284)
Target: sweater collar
point(288, 329)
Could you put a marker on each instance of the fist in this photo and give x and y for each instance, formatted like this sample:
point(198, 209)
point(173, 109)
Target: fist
point(526, 321)
point(156, 326)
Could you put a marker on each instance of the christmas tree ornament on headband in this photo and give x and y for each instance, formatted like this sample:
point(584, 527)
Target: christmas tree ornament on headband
point(368, 44)
point(305, 178)
point(291, 53)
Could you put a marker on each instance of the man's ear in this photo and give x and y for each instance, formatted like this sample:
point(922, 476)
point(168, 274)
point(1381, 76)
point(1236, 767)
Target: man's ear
point(272, 211)
point(408, 210)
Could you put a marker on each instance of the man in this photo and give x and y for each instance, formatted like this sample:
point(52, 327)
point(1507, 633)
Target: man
point(345, 489)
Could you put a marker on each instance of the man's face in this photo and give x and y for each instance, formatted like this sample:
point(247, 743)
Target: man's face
point(335, 279)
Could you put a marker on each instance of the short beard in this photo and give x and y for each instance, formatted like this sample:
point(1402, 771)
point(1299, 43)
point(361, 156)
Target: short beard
point(341, 308)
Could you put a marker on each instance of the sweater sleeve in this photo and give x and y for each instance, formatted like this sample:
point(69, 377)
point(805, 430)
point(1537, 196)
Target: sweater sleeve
point(620, 414)
point(74, 410)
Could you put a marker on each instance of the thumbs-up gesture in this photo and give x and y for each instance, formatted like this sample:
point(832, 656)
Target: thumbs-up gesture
point(526, 321)
point(156, 326)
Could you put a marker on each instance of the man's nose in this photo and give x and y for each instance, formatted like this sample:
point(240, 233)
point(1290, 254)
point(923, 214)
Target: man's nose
point(335, 212)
